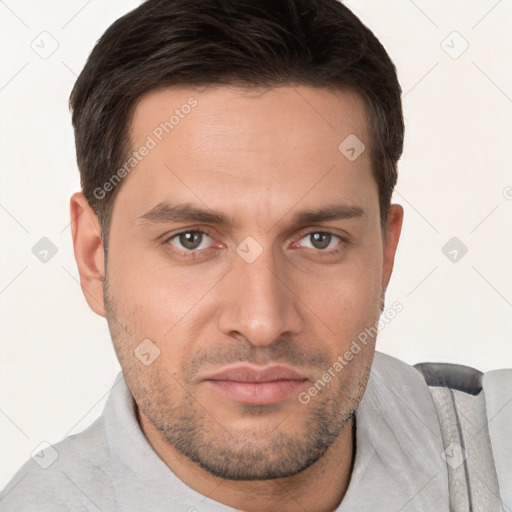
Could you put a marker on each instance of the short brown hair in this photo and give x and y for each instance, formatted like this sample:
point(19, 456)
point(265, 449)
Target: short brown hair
point(247, 43)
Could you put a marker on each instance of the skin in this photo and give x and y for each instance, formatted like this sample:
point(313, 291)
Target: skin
point(260, 158)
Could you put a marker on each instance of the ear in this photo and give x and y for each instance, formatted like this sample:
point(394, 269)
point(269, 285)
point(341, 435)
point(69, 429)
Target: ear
point(392, 235)
point(88, 248)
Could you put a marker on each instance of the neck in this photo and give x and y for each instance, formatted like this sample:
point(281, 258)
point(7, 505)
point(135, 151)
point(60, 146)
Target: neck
point(320, 487)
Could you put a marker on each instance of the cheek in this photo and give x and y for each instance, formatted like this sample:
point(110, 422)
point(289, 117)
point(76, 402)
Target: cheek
point(348, 291)
point(152, 289)
point(346, 305)
point(174, 302)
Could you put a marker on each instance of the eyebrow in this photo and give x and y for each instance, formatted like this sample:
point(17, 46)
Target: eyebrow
point(166, 212)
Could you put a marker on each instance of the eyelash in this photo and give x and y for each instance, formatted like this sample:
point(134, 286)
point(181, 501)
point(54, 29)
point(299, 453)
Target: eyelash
point(190, 253)
point(194, 253)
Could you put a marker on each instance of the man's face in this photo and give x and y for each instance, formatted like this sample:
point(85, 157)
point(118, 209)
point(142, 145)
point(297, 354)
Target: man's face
point(252, 300)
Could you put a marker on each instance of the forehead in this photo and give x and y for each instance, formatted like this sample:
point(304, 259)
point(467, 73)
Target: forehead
point(265, 148)
point(317, 113)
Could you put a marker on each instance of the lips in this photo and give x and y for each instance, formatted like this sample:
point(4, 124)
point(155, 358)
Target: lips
point(247, 373)
point(256, 385)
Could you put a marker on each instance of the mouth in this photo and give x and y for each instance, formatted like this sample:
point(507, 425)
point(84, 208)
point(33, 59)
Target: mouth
point(256, 385)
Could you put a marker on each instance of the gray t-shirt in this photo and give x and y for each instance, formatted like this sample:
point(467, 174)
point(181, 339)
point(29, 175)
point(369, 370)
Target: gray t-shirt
point(398, 466)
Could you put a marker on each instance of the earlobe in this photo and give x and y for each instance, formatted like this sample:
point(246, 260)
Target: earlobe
point(88, 249)
point(392, 235)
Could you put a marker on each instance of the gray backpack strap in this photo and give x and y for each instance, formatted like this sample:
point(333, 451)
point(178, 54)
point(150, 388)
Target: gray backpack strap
point(460, 404)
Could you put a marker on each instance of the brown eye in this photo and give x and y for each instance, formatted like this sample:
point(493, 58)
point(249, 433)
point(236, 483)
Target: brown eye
point(190, 240)
point(320, 240)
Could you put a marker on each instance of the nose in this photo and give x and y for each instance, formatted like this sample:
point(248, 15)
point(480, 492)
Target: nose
point(258, 302)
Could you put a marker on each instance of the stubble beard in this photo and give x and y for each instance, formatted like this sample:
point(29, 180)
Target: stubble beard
point(261, 453)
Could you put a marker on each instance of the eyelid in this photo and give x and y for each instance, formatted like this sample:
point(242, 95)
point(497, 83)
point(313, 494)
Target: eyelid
point(200, 231)
point(309, 233)
point(344, 240)
point(168, 237)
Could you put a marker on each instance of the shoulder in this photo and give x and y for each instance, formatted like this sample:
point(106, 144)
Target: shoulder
point(392, 374)
point(474, 411)
point(447, 375)
point(70, 475)
point(441, 392)
point(398, 399)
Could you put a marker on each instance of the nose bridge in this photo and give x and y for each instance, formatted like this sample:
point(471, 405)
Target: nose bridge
point(258, 303)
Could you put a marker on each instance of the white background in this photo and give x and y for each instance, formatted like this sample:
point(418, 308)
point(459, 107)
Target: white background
point(57, 364)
